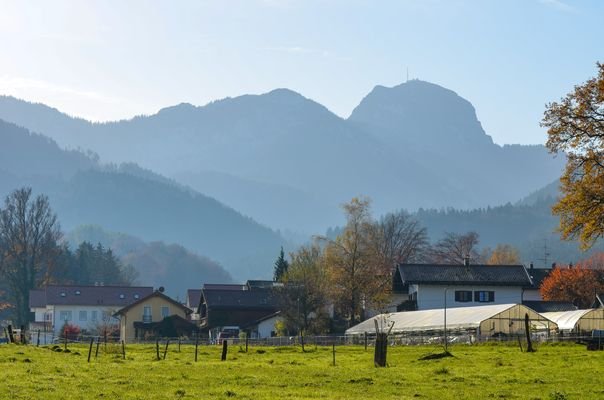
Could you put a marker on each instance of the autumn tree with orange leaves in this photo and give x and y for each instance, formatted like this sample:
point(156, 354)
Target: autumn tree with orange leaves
point(577, 285)
point(575, 127)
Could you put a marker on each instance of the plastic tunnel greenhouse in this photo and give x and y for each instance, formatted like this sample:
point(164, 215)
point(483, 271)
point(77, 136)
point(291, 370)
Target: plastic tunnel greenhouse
point(481, 321)
point(578, 321)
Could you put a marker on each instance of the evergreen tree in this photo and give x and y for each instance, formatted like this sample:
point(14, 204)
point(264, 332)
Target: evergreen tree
point(281, 267)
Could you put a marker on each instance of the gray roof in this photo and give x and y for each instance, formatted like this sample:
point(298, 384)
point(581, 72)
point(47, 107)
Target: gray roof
point(549, 306)
point(157, 293)
point(223, 286)
point(493, 275)
point(82, 295)
point(37, 298)
point(257, 299)
point(193, 297)
point(538, 275)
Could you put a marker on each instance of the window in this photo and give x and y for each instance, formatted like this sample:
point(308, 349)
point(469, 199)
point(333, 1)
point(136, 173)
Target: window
point(83, 315)
point(165, 311)
point(65, 316)
point(122, 296)
point(484, 296)
point(106, 316)
point(463, 296)
point(147, 316)
point(93, 315)
point(77, 292)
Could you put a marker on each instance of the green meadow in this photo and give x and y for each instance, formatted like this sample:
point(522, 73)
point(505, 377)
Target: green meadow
point(483, 371)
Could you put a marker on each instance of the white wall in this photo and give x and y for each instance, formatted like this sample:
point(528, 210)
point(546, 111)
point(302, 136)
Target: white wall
point(267, 326)
point(89, 324)
point(433, 296)
point(532, 295)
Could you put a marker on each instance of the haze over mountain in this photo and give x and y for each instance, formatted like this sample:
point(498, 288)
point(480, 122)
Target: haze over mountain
point(288, 162)
point(135, 201)
point(157, 263)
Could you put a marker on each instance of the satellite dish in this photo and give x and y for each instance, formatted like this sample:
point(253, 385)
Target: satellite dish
point(161, 289)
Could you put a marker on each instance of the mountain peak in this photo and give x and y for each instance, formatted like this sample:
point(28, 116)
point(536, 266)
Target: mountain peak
point(426, 110)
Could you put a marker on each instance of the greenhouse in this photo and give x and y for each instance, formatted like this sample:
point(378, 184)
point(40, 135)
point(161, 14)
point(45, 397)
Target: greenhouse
point(578, 321)
point(481, 321)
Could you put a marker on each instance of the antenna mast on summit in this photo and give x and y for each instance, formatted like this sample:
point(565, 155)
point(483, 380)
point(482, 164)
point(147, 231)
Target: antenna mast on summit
point(407, 74)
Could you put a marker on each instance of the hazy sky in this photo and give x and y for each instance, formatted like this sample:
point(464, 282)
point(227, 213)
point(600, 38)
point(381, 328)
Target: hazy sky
point(115, 59)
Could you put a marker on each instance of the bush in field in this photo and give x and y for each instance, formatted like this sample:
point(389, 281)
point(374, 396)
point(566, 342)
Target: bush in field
point(70, 332)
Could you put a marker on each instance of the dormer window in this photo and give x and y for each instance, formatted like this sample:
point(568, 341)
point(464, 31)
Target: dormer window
point(63, 294)
point(122, 296)
point(136, 296)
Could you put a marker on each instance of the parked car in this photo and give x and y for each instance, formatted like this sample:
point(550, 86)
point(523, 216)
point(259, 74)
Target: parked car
point(228, 332)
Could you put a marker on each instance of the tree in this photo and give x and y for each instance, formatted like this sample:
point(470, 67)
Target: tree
point(29, 232)
point(504, 254)
point(304, 295)
point(398, 238)
point(454, 248)
point(576, 127)
point(577, 285)
point(352, 276)
point(281, 266)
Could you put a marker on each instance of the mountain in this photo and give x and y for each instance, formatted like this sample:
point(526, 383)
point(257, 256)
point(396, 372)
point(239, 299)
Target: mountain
point(289, 162)
point(157, 263)
point(440, 130)
point(134, 200)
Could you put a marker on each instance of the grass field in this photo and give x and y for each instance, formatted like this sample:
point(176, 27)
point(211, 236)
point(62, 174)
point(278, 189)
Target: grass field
point(475, 372)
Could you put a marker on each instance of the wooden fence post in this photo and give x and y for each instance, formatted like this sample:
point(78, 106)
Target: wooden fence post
point(225, 344)
point(90, 348)
point(157, 348)
point(124, 350)
point(365, 341)
point(179, 344)
point(38, 340)
point(98, 342)
point(166, 348)
point(334, 354)
point(527, 328)
point(11, 338)
point(196, 345)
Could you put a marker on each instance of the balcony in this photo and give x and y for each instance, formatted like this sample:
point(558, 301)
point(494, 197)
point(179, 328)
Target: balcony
point(147, 319)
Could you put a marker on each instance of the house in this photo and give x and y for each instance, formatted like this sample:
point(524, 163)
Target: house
point(192, 302)
point(429, 286)
point(244, 306)
point(537, 275)
point(264, 327)
point(155, 315)
point(88, 307)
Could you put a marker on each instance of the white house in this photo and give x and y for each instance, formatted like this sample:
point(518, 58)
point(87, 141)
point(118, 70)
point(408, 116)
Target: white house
point(88, 307)
point(430, 286)
point(265, 326)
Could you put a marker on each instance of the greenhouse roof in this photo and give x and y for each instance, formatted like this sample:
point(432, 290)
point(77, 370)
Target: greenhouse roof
point(432, 320)
point(566, 320)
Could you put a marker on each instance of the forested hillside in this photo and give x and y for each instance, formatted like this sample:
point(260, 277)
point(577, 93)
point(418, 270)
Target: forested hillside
point(130, 199)
point(157, 263)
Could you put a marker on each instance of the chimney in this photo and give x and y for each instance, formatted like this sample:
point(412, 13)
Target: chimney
point(531, 266)
point(466, 260)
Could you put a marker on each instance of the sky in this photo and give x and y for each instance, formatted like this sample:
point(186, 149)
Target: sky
point(109, 60)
